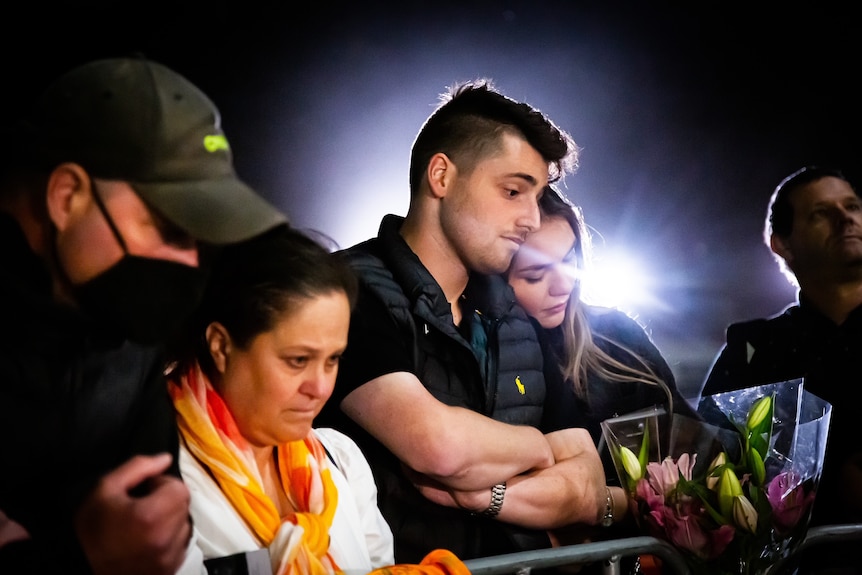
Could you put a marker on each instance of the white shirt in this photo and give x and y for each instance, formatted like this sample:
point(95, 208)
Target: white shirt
point(360, 538)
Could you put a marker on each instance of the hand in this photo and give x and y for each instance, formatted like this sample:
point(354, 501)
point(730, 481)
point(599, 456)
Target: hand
point(125, 533)
point(579, 465)
point(569, 442)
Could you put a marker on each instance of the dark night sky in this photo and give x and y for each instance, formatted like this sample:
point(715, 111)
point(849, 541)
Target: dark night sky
point(687, 115)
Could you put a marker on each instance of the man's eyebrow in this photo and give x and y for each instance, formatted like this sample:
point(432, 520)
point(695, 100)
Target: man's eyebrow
point(825, 203)
point(523, 176)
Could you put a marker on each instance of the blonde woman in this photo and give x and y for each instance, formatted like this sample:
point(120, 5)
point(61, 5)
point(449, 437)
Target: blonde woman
point(599, 362)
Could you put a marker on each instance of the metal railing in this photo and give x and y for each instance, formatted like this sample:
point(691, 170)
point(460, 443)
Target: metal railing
point(818, 536)
point(610, 552)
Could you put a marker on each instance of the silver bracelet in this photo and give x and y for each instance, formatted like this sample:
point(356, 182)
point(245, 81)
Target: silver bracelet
point(608, 518)
point(498, 492)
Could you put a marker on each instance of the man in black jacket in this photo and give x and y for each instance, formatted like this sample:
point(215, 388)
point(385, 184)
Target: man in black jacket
point(111, 184)
point(441, 383)
point(814, 229)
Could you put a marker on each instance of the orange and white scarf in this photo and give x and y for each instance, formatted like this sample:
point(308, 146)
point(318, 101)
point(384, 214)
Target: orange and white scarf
point(211, 434)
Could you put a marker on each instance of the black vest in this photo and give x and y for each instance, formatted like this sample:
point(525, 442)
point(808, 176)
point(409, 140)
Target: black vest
point(504, 380)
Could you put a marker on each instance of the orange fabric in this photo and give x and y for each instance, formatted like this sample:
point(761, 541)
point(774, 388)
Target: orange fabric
point(650, 565)
point(210, 432)
point(438, 562)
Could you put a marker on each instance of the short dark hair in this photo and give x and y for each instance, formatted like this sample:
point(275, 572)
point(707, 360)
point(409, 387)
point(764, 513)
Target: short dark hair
point(779, 216)
point(253, 282)
point(469, 123)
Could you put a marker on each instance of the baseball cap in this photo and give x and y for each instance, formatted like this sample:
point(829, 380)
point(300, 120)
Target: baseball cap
point(136, 120)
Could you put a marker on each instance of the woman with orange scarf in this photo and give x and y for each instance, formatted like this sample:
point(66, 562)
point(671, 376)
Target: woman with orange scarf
point(258, 365)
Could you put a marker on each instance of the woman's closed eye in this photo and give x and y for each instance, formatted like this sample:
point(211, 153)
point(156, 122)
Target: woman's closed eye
point(532, 277)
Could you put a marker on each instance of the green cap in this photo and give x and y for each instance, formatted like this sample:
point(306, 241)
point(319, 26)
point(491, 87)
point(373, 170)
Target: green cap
point(135, 120)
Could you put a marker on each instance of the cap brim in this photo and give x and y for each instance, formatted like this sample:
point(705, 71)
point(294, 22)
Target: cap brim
point(218, 211)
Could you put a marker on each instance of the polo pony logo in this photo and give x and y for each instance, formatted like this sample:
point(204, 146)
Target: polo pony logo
point(519, 384)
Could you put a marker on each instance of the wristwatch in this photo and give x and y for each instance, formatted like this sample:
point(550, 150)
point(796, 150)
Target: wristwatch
point(498, 492)
point(608, 518)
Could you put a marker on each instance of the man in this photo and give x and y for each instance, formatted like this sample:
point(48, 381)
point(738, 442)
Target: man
point(109, 188)
point(814, 229)
point(441, 383)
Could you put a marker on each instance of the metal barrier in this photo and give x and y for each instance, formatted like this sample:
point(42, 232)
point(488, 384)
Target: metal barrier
point(612, 550)
point(816, 536)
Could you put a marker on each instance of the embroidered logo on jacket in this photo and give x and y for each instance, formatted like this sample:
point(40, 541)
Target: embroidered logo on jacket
point(519, 384)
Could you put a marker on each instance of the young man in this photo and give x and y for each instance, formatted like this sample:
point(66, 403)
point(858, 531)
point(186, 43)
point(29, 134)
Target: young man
point(441, 383)
point(814, 229)
point(109, 187)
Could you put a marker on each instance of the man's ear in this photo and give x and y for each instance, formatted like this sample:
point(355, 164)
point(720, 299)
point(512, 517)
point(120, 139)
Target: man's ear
point(67, 191)
point(441, 173)
point(781, 248)
point(219, 345)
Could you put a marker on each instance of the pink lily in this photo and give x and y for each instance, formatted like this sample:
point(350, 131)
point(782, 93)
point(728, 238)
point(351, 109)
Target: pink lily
point(682, 527)
point(665, 476)
point(788, 499)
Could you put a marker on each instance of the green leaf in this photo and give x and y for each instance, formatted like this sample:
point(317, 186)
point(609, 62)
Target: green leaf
point(643, 455)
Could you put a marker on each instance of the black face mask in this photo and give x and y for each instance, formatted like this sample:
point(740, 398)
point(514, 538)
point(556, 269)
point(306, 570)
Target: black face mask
point(141, 299)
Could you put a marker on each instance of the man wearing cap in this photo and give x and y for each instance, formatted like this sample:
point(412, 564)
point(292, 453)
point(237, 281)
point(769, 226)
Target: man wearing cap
point(110, 188)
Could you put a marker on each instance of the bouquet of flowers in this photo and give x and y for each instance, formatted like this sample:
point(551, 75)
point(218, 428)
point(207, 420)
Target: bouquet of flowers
point(733, 490)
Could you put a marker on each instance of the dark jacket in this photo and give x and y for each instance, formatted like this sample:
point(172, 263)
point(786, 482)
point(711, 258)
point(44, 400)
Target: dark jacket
point(802, 342)
point(611, 329)
point(491, 364)
point(605, 399)
point(74, 404)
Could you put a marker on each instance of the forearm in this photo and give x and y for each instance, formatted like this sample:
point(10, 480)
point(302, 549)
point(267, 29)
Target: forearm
point(477, 452)
point(572, 491)
point(457, 447)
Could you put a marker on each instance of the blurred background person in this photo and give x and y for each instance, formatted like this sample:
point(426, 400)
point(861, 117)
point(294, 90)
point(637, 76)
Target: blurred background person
point(111, 185)
point(814, 229)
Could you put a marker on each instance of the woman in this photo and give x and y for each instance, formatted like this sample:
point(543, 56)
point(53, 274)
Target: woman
point(599, 362)
point(258, 368)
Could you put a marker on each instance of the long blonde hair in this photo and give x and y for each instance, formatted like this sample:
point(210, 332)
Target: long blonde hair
point(582, 355)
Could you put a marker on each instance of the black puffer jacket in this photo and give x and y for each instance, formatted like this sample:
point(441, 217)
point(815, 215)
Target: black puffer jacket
point(505, 383)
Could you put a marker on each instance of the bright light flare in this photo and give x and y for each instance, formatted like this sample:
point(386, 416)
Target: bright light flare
point(618, 279)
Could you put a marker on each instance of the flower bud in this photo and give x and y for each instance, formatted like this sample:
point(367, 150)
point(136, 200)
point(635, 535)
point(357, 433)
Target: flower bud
point(744, 514)
point(712, 480)
point(755, 462)
point(728, 488)
point(758, 412)
point(631, 463)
